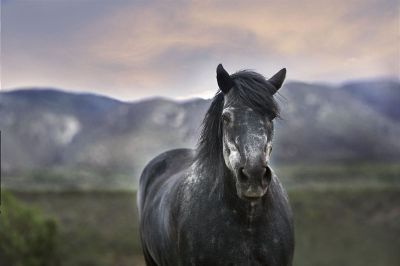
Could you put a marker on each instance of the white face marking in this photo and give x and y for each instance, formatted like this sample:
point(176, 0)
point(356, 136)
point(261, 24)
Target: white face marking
point(254, 143)
point(231, 155)
point(252, 147)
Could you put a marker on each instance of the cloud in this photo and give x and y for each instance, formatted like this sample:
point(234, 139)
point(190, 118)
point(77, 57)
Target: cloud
point(172, 48)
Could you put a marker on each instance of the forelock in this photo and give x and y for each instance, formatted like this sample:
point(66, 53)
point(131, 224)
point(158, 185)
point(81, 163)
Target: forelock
point(254, 91)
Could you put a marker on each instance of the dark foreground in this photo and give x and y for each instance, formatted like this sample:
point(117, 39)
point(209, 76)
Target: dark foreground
point(337, 226)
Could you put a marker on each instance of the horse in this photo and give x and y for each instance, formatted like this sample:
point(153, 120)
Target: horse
point(221, 203)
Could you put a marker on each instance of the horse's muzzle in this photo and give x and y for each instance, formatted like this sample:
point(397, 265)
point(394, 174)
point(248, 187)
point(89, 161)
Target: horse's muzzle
point(254, 193)
point(253, 183)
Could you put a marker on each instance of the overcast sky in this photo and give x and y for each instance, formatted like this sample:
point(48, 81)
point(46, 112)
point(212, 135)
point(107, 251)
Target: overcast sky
point(135, 49)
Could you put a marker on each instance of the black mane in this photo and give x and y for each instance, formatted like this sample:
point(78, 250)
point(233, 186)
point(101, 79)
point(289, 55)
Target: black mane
point(252, 90)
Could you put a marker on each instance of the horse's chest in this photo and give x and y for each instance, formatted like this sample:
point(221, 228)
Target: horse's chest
point(230, 245)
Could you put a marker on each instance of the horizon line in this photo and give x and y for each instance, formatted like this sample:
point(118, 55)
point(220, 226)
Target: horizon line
point(190, 97)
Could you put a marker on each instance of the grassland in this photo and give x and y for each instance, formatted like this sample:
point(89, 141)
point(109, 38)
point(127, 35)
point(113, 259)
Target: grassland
point(344, 215)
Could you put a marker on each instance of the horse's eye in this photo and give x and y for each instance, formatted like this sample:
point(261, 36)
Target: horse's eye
point(226, 118)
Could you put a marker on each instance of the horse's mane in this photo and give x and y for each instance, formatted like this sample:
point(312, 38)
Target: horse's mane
point(254, 91)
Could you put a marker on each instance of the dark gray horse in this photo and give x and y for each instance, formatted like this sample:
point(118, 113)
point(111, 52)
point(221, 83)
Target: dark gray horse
point(221, 204)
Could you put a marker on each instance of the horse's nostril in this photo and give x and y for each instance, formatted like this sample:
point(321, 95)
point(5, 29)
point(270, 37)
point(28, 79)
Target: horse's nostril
point(242, 175)
point(267, 174)
point(264, 171)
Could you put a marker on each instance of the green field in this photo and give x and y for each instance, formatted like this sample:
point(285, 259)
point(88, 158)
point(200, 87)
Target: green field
point(333, 227)
point(338, 220)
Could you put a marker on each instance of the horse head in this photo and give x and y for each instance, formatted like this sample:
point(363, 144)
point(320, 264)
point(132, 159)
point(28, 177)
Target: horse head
point(247, 128)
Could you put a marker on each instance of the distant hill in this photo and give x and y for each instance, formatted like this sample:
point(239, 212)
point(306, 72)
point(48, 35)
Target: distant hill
point(52, 129)
point(323, 123)
point(380, 95)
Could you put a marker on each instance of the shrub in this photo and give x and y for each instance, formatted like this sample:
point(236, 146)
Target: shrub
point(27, 238)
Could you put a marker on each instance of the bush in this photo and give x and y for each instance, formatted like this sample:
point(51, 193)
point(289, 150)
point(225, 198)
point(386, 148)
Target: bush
point(27, 238)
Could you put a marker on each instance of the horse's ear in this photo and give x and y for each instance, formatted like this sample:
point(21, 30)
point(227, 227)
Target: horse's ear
point(225, 82)
point(278, 78)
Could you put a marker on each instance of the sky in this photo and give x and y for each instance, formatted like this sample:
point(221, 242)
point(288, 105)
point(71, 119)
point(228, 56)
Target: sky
point(138, 49)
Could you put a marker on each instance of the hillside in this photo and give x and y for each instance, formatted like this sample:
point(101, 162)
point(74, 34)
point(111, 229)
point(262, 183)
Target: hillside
point(91, 136)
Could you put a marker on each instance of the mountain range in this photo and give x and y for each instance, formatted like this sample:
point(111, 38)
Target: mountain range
point(48, 129)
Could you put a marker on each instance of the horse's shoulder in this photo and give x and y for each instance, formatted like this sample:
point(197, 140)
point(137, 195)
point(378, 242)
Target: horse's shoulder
point(162, 167)
point(159, 178)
